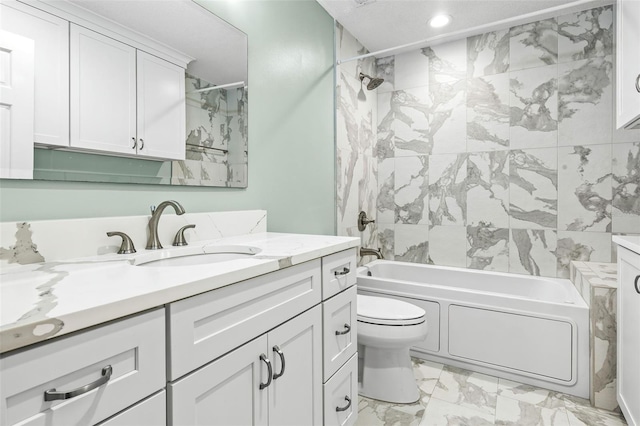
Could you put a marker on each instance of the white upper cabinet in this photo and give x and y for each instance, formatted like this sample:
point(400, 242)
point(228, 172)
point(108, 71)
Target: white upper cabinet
point(161, 108)
point(123, 100)
point(16, 109)
point(628, 64)
point(103, 93)
point(51, 37)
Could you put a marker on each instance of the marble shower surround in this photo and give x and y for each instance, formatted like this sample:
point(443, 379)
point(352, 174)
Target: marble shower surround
point(499, 152)
point(356, 163)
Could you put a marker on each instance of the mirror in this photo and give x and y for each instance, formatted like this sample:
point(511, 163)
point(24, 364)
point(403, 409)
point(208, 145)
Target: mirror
point(216, 86)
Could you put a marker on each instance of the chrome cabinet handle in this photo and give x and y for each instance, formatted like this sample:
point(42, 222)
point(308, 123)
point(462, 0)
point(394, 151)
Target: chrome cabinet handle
point(264, 358)
point(135, 143)
point(277, 350)
point(52, 394)
point(635, 284)
point(347, 328)
point(346, 407)
point(344, 271)
point(638, 83)
point(141, 144)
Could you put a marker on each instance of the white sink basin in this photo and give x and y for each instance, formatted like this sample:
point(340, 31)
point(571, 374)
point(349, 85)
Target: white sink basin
point(194, 256)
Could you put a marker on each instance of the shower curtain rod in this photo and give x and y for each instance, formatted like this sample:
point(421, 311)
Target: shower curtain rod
point(222, 86)
point(481, 29)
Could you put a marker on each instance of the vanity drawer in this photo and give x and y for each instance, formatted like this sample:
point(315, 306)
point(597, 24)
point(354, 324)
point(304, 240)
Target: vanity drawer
point(150, 412)
point(133, 347)
point(339, 316)
point(338, 272)
point(341, 392)
point(204, 327)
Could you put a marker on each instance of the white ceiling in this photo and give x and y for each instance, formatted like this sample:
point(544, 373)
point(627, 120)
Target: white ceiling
point(387, 24)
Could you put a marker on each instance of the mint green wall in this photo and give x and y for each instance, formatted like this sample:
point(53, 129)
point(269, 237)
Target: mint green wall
point(291, 149)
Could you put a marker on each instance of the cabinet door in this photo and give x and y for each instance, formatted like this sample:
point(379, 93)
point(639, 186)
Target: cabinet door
point(295, 395)
point(226, 392)
point(628, 329)
point(103, 92)
point(51, 37)
point(16, 109)
point(628, 63)
point(161, 108)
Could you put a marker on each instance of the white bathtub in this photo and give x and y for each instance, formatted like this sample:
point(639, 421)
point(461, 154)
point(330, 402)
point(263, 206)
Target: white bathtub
point(528, 329)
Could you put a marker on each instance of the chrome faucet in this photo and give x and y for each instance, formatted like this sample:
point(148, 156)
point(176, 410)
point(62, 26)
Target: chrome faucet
point(153, 242)
point(370, 252)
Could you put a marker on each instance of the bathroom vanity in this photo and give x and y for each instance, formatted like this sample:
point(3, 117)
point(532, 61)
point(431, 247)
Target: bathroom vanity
point(268, 337)
point(629, 327)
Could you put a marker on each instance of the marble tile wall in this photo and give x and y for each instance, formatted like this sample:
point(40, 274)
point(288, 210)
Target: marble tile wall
point(597, 282)
point(499, 152)
point(217, 137)
point(356, 118)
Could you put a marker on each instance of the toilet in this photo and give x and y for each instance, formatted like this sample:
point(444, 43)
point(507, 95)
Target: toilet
point(387, 328)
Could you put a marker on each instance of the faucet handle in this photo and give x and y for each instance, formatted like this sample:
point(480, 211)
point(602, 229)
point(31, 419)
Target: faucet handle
point(127, 244)
point(179, 239)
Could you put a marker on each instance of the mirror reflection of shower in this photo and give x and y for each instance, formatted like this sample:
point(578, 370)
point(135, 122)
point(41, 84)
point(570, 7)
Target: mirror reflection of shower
point(374, 83)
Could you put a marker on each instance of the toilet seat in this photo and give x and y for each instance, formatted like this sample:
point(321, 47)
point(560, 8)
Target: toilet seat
point(386, 311)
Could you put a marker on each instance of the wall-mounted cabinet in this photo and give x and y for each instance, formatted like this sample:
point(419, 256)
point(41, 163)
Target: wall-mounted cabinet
point(50, 35)
point(628, 64)
point(123, 100)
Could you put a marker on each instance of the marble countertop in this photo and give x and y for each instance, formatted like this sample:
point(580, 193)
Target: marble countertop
point(631, 242)
point(45, 300)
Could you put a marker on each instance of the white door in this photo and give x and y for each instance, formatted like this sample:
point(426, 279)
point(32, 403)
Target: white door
point(226, 392)
point(161, 108)
point(51, 37)
point(103, 93)
point(628, 62)
point(16, 106)
point(628, 330)
point(295, 395)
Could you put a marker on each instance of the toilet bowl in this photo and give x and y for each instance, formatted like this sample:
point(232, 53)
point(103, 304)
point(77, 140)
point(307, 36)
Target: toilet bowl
point(387, 328)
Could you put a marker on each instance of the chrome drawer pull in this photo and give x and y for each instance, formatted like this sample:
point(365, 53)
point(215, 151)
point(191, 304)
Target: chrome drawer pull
point(346, 407)
point(141, 144)
point(638, 83)
point(52, 394)
point(135, 144)
point(347, 328)
point(264, 358)
point(636, 282)
point(344, 271)
point(277, 350)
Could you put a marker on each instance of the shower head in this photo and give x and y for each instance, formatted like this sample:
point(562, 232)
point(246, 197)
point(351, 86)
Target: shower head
point(373, 82)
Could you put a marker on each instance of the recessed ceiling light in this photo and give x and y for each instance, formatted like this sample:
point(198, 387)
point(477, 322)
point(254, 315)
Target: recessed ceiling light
point(440, 21)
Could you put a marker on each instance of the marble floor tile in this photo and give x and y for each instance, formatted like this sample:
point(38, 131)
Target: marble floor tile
point(377, 413)
point(442, 413)
point(467, 389)
point(427, 374)
point(515, 412)
point(530, 394)
point(581, 413)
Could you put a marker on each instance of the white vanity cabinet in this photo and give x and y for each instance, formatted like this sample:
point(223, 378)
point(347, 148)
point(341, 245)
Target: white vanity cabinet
point(124, 101)
point(119, 363)
point(628, 64)
point(628, 335)
point(50, 35)
point(273, 380)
